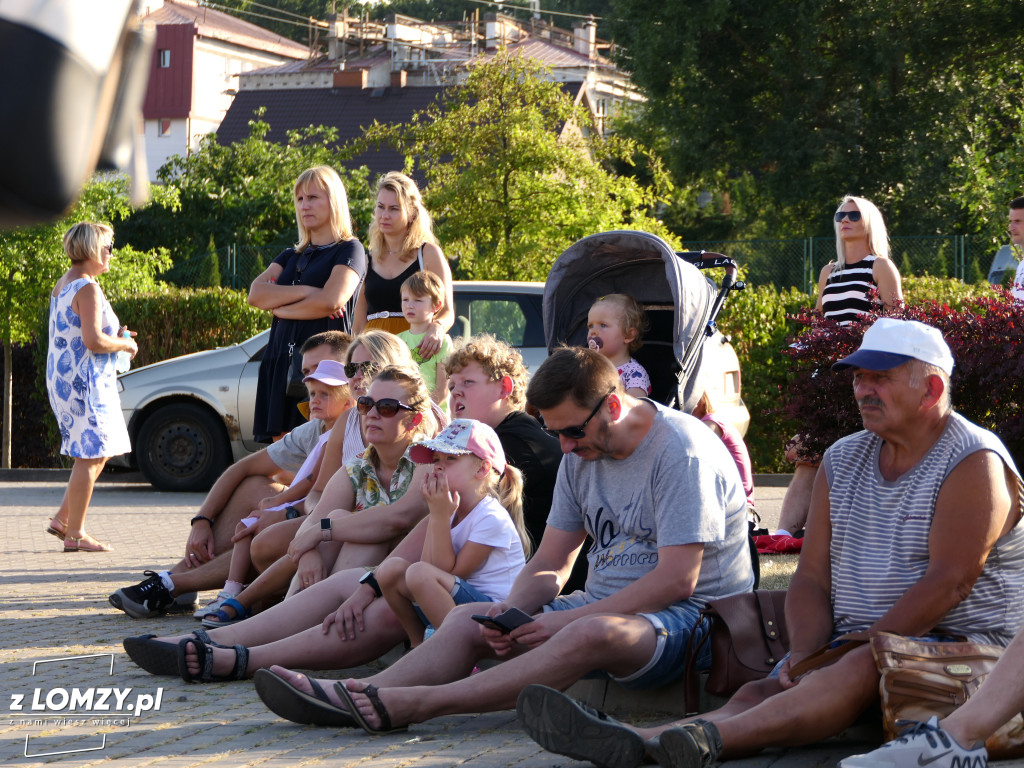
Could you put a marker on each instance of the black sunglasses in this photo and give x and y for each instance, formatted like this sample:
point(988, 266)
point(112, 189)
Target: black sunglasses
point(386, 407)
point(578, 433)
point(854, 215)
point(351, 369)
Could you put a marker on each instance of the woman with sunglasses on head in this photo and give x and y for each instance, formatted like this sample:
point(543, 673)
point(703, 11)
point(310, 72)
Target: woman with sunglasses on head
point(85, 338)
point(309, 288)
point(402, 243)
point(860, 279)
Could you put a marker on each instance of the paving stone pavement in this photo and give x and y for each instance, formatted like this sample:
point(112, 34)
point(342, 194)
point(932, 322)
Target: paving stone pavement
point(55, 606)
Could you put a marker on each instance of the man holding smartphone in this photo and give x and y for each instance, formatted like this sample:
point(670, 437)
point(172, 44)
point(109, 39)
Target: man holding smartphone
point(663, 501)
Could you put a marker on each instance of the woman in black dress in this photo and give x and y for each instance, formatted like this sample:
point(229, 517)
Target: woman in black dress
point(310, 288)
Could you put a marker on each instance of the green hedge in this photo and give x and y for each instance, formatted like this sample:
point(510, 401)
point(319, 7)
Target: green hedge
point(757, 320)
point(177, 321)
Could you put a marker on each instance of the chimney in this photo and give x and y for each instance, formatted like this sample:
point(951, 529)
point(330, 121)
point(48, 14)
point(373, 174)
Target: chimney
point(333, 26)
point(584, 38)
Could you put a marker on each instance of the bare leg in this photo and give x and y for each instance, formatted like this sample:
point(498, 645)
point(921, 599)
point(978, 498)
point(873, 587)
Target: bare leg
point(618, 644)
point(272, 543)
point(391, 577)
point(796, 504)
point(314, 648)
point(431, 589)
point(996, 702)
point(78, 494)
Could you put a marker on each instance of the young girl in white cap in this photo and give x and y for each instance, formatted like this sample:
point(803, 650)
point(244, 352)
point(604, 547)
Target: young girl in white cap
point(476, 541)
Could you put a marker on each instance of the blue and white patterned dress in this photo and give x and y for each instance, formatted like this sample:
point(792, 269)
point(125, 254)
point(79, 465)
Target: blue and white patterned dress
point(82, 385)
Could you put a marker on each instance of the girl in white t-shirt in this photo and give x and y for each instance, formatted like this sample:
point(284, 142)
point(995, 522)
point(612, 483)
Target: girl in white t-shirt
point(476, 541)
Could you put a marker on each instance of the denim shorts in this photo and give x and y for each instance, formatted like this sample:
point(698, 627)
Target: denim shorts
point(462, 592)
point(673, 627)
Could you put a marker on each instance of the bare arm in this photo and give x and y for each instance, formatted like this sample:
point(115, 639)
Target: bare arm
point(887, 278)
point(822, 278)
point(88, 303)
point(359, 314)
point(323, 302)
point(435, 261)
point(265, 293)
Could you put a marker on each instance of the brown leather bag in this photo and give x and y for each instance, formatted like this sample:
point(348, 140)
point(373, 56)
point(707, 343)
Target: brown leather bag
point(748, 638)
point(924, 679)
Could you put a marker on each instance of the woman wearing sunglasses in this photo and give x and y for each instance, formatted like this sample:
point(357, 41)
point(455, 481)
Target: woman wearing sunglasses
point(862, 264)
point(860, 279)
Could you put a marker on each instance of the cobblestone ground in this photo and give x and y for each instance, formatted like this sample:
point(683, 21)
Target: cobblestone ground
point(55, 605)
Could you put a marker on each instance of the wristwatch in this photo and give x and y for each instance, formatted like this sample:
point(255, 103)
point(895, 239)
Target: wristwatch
point(325, 528)
point(291, 513)
point(371, 581)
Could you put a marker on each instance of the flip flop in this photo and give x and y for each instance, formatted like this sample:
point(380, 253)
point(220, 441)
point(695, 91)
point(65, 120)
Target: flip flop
point(158, 657)
point(205, 654)
point(285, 700)
point(370, 692)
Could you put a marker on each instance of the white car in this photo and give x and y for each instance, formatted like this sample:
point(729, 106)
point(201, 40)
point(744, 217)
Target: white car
point(192, 416)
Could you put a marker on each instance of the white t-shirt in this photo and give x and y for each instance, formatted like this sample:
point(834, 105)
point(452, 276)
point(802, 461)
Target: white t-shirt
point(1018, 282)
point(490, 524)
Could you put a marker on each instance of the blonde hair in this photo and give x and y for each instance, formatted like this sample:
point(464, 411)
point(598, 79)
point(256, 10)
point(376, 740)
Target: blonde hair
point(631, 315)
point(83, 242)
point(420, 228)
point(425, 283)
point(874, 225)
point(704, 406)
point(416, 397)
point(497, 359)
point(383, 348)
point(327, 179)
point(508, 490)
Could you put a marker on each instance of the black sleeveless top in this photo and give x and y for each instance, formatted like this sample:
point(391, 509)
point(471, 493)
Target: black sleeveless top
point(383, 295)
point(845, 296)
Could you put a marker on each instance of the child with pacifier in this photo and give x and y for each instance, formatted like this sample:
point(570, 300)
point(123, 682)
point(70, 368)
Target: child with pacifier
point(615, 326)
point(476, 541)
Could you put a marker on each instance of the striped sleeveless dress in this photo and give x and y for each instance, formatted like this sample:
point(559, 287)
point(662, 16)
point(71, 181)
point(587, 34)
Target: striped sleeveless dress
point(845, 296)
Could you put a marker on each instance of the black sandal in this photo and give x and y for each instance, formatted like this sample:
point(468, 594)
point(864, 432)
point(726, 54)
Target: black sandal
point(369, 692)
point(158, 657)
point(205, 657)
point(285, 700)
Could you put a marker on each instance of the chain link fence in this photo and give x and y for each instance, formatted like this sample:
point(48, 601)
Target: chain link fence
point(784, 263)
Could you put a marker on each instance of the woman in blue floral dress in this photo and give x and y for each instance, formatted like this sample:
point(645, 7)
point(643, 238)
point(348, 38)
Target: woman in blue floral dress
point(85, 337)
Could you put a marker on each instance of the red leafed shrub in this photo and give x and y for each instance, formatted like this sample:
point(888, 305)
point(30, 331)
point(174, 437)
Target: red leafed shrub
point(987, 341)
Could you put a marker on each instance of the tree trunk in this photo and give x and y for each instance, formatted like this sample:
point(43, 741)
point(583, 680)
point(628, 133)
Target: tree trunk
point(5, 459)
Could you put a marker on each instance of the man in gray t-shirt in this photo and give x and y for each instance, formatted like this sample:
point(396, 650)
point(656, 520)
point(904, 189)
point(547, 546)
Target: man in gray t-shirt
point(663, 501)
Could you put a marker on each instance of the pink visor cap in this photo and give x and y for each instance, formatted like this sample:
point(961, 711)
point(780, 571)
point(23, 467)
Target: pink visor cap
point(460, 437)
point(330, 372)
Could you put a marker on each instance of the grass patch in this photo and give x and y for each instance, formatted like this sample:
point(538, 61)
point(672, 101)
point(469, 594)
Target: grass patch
point(777, 570)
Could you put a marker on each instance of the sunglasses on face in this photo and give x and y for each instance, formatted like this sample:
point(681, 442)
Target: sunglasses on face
point(351, 369)
point(854, 215)
point(386, 407)
point(578, 433)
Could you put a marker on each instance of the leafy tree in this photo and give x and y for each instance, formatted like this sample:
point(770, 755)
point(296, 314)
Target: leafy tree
point(32, 259)
point(242, 193)
point(780, 107)
point(512, 176)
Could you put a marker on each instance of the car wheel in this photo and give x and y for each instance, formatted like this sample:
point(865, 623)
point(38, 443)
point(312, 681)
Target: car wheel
point(182, 447)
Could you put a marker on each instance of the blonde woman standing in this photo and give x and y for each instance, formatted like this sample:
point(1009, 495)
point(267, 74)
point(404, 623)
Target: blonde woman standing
point(402, 243)
point(84, 339)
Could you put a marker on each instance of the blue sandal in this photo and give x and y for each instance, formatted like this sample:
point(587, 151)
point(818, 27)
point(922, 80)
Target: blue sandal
point(220, 617)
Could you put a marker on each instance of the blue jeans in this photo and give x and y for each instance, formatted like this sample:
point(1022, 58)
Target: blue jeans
point(462, 592)
point(672, 626)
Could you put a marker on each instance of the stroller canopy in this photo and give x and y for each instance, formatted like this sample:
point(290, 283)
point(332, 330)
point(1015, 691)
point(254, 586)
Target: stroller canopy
point(678, 301)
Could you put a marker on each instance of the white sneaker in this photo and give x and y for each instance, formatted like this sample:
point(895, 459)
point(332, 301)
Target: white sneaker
point(213, 605)
point(921, 745)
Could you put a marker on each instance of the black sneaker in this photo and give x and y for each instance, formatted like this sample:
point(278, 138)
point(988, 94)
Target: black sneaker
point(145, 600)
point(696, 744)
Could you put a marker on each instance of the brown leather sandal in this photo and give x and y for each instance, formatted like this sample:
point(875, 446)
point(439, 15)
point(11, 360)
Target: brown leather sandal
point(85, 544)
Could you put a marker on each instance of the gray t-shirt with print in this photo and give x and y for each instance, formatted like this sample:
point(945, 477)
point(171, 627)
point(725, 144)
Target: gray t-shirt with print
point(680, 486)
point(291, 450)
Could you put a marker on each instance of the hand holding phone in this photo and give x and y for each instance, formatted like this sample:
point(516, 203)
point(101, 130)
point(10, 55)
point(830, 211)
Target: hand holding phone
point(504, 622)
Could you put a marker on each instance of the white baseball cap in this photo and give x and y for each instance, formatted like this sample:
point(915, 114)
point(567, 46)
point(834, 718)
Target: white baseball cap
point(891, 342)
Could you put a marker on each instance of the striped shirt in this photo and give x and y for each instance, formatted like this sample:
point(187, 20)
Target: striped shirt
point(880, 528)
point(845, 295)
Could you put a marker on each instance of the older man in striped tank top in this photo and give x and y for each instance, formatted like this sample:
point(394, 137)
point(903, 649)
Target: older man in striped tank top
point(914, 529)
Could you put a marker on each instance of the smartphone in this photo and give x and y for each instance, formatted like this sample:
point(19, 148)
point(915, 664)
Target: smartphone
point(504, 622)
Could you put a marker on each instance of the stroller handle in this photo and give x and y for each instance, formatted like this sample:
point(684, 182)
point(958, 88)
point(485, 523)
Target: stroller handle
point(709, 260)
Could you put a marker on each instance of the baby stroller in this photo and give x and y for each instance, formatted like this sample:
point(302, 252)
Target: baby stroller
point(681, 304)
